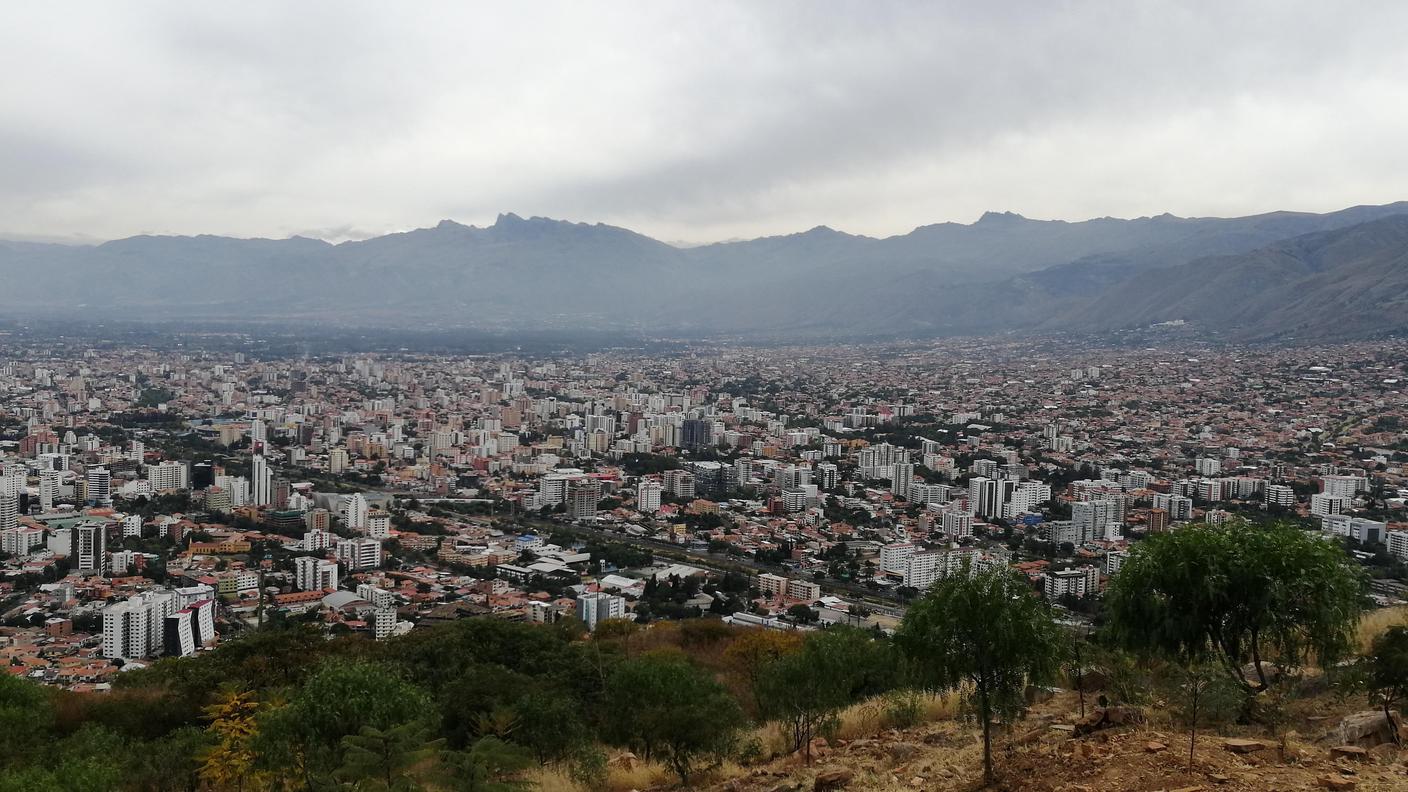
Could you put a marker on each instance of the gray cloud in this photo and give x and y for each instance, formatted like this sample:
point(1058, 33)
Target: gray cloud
point(689, 120)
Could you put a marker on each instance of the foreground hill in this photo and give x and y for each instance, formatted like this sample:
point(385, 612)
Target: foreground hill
point(1003, 273)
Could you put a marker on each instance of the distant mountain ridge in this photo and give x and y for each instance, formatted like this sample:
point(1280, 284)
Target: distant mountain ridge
point(1001, 274)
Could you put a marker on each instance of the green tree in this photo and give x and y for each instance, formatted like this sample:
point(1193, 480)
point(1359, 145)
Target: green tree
point(1387, 672)
point(806, 688)
point(340, 699)
point(1237, 592)
point(984, 634)
point(386, 759)
point(1201, 695)
point(802, 614)
point(26, 718)
point(490, 765)
point(665, 706)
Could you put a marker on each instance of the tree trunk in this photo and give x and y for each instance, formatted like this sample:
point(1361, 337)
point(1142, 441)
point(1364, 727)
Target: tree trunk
point(986, 715)
point(1193, 729)
point(1192, 743)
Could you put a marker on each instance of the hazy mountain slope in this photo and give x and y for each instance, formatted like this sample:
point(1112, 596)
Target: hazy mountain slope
point(1349, 282)
point(1003, 273)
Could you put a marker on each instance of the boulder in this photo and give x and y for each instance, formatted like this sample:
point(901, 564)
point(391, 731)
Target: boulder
point(1335, 782)
point(837, 778)
point(1365, 729)
point(1154, 747)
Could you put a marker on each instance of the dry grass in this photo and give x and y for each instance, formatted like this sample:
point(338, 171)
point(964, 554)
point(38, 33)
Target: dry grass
point(1376, 622)
point(861, 720)
point(644, 775)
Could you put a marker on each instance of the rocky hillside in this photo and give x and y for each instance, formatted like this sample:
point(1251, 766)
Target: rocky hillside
point(1045, 755)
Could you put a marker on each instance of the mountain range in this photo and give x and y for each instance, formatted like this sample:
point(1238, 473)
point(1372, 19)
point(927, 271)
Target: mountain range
point(1276, 276)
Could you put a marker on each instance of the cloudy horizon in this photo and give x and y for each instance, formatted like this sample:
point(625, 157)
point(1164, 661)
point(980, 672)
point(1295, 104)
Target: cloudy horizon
point(687, 122)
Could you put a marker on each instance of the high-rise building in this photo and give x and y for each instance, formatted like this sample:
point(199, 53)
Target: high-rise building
point(49, 483)
point(135, 627)
point(90, 548)
point(1080, 581)
point(202, 475)
point(696, 433)
point(1342, 486)
point(648, 496)
point(1323, 505)
point(1280, 495)
point(383, 623)
point(582, 499)
point(1092, 520)
point(984, 497)
point(379, 597)
point(901, 479)
point(314, 574)
point(1158, 521)
point(957, 524)
point(261, 482)
point(167, 476)
point(99, 490)
point(236, 487)
point(359, 553)
point(894, 557)
point(593, 607)
point(355, 512)
point(9, 512)
point(679, 483)
point(258, 435)
point(189, 628)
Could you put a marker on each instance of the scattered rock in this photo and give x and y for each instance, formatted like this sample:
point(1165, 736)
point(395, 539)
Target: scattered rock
point(917, 782)
point(1245, 746)
point(1335, 782)
point(903, 751)
point(1219, 778)
point(832, 779)
point(1189, 789)
point(1349, 752)
point(1155, 747)
point(1107, 717)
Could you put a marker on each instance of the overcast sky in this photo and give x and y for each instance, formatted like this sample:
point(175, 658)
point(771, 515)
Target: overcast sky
point(689, 121)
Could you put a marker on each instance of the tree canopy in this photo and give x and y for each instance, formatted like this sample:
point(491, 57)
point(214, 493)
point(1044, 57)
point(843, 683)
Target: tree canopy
point(985, 634)
point(1245, 595)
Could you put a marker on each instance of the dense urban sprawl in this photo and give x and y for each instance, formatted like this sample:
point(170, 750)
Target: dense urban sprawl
point(158, 501)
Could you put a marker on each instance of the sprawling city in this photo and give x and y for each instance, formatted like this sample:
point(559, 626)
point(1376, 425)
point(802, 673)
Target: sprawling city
point(163, 502)
point(738, 397)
